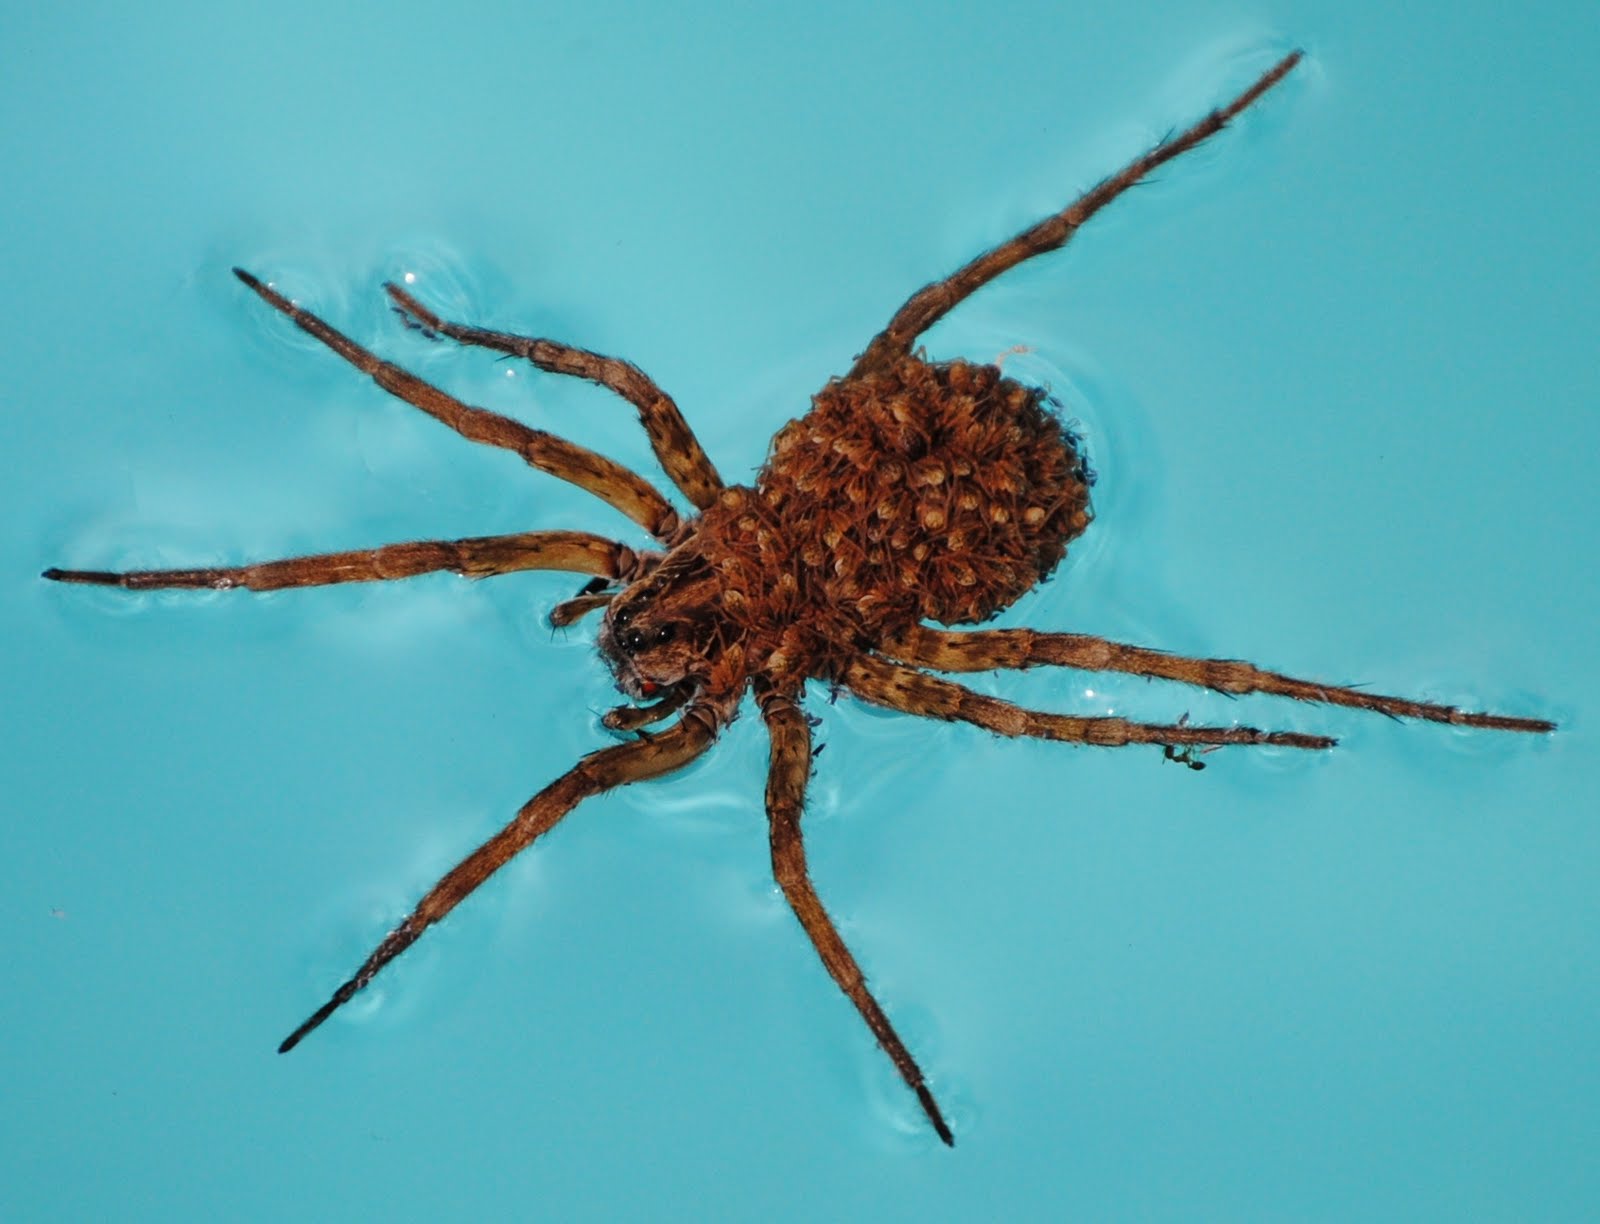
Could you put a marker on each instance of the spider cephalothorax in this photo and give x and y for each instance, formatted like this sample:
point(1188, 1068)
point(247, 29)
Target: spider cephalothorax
point(910, 492)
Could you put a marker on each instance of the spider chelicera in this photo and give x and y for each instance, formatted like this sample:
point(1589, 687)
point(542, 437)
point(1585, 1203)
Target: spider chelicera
point(911, 492)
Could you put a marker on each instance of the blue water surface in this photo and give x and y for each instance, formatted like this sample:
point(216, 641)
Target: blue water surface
point(1337, 372)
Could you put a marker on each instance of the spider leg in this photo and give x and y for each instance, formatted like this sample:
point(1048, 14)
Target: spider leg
point(674, 443)
point(932, 302)
point(989, 649)
point(479, 557)
point(598, 772)
point(605, 478)
point(914, 692)
point(786, 786)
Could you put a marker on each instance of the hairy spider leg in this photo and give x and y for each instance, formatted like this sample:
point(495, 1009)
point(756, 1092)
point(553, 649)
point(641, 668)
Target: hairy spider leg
point(593, 775)
point(932, 302)
point(914, 692)
point(789, 771)
point(678, 450)
point(991, 649)
point(480, 557)
point(605, 478)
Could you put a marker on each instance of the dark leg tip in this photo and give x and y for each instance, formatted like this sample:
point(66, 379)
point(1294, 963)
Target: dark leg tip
point(413, 313)
point(931, 1108)
point(321, 1014)
point(247, 278)
point(87, 577)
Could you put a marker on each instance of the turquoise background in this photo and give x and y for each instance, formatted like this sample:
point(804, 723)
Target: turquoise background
point(1337, 371)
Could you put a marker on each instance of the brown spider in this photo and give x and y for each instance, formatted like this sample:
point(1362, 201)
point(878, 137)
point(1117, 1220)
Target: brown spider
point(910, 492)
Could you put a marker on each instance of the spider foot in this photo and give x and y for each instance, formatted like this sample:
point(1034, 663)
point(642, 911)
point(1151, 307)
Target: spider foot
point(931, 1108)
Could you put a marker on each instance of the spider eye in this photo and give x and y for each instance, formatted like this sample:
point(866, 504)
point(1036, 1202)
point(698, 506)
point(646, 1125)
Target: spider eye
point(621, 617)
point(664, 634)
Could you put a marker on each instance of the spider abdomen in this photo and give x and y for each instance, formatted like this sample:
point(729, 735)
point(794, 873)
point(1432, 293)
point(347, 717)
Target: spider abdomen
point(921, 491)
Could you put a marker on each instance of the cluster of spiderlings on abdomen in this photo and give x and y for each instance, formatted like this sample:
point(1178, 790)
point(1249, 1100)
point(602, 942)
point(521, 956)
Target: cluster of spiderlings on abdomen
point(939, 492)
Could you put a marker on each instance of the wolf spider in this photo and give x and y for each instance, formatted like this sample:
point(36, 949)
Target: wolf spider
point(910, 492)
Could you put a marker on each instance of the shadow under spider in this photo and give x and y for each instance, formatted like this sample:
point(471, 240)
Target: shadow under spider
point(910, 492)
